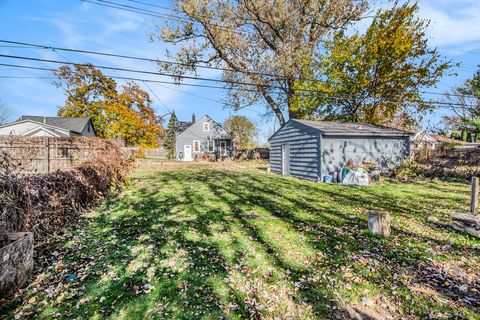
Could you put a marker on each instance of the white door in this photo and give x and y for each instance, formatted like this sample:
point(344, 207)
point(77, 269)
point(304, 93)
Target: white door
point(286, 160)
point(187, 152)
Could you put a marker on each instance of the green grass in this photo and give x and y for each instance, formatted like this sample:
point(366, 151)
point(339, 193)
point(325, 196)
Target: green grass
point(204, 242)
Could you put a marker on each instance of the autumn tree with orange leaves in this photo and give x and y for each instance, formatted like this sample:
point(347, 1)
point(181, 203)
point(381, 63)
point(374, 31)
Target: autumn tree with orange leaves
point(124, 114)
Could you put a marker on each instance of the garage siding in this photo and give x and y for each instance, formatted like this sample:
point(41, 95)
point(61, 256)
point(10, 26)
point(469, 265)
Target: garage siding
point(304, 150)
point(386, 152)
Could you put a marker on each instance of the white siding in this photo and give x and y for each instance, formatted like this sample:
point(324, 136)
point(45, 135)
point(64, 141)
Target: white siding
point(20, 128)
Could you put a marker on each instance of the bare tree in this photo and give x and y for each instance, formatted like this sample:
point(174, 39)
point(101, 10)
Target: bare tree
point(4, 113)
point(261, 46)
point(465, 103)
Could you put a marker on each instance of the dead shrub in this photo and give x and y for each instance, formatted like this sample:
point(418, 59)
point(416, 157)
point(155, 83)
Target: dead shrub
point(46, 203)
point(409, 170)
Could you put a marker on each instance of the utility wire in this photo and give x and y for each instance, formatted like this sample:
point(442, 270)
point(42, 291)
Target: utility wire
point(124, 7)
point(107, 54)
point(151, 5)
point(209, 79)
point(342, 98)
point(138, 10)
point(128, 78)
point(137, 71)
point(56, 49)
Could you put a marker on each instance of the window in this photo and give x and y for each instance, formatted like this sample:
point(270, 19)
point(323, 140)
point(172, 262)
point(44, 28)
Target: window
point(196, 146)
point(206, 126)
point(211, 146)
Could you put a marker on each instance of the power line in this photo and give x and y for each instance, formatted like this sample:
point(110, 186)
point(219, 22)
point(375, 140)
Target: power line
point(195, 95)
point(125, 7)
point(108, 54)
point(25, 77)
point(138, 10)
point(129, 78)
point(150, 5)
point(156, 96)
point(191, 77)
point(56, 49)
point(341, 98)
point(158, 14)
point(139, 71)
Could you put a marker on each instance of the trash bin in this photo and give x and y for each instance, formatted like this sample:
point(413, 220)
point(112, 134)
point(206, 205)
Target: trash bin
point(327, 179)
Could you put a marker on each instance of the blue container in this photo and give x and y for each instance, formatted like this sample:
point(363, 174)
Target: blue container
point(327, 179)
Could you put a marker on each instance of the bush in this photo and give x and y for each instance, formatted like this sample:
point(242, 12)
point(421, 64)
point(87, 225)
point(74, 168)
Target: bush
point(409, 170)
point(448, 145)
point(46, 203)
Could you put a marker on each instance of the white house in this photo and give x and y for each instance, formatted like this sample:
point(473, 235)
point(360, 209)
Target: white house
point(423, 140)
point(36, 126)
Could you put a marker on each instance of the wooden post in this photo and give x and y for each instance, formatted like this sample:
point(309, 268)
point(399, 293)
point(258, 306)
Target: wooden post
point(379, 223)
point(48, 154)
point(475, 188)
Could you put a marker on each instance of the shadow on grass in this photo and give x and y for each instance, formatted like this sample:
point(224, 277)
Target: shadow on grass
point(184, 245)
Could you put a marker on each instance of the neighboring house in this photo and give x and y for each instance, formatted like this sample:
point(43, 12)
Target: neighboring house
point(422, 140)
point(314, 149)
point(204, 136)
point(36, 126)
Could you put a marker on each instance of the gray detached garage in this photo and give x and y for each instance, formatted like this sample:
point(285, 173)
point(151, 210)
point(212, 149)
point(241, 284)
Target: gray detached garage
point(314, 149)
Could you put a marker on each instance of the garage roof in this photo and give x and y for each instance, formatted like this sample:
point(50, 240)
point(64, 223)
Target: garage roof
point(352, 128)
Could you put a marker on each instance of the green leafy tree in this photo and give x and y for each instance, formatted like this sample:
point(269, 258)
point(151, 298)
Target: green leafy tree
point(243, 131)
point(126, 114)
point(169, 142)
point(376, 77)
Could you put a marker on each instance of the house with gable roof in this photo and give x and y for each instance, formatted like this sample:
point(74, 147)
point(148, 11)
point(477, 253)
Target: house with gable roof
point(202, 137)
point(38, 126)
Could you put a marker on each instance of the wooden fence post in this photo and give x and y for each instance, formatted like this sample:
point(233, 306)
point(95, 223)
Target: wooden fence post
point(48, 155)
point(475, 188)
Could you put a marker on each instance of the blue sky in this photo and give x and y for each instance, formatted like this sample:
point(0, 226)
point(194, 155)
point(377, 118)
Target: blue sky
point(455, 30)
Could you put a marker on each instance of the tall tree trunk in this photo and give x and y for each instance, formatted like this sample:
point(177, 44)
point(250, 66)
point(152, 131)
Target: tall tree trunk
point(274, 106)
point(290, 93)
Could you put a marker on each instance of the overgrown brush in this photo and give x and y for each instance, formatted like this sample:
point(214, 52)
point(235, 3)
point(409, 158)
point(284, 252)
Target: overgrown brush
point(46, 203)
point(409, 170)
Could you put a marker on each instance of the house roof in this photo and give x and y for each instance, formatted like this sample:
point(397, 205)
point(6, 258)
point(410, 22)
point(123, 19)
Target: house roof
point(72, 124)
point(349, 128)
point(181, 126)
point(439, 138)
point(220, 132)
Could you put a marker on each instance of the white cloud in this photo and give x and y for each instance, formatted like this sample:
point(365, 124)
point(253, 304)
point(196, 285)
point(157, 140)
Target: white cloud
point(452, 25)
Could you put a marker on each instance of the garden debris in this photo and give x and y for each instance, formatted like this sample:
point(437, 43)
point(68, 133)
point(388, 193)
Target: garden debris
point(456, 282)
point(357, 177)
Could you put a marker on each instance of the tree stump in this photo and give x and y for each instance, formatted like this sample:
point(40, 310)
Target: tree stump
point(379, 223)
point(16, 262)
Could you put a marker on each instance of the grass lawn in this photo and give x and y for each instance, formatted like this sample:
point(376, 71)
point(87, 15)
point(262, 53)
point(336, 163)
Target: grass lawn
point(214, 242)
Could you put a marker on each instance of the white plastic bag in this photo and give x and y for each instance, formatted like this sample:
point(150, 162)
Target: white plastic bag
point(356, 177)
